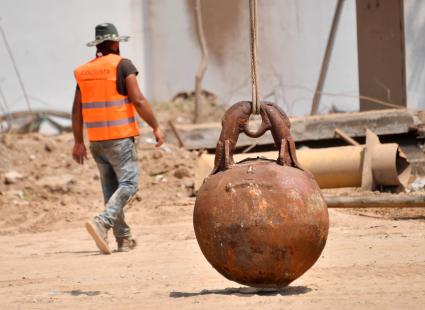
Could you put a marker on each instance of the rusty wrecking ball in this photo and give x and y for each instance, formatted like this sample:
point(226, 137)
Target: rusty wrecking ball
point(261, 223)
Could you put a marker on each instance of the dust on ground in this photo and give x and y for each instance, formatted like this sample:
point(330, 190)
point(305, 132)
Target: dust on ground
point(375, 261)
point(50, 191)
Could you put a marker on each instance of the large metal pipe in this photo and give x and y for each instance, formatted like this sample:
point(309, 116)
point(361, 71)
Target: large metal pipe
point(332, 167)
point(335, 167)
point(376, 201)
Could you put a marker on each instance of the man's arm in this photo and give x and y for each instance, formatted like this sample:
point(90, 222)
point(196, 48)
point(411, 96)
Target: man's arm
point(143, 107)
point(79, 151)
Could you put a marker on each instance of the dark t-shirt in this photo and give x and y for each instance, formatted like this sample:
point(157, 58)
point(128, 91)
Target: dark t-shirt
point(124, 69)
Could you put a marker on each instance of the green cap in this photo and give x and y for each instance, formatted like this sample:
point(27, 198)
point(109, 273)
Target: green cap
point(107, 32)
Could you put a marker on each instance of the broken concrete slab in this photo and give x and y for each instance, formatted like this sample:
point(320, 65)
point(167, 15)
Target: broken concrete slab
point(311, 128)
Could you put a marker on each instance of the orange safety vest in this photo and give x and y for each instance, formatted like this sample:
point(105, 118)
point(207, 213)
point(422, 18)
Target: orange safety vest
point(107, 114)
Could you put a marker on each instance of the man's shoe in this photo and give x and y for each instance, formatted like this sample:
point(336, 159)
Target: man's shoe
point(99, 234)
point(126, 244)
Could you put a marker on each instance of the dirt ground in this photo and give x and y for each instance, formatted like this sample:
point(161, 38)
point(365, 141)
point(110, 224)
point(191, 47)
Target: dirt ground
point(371, 260)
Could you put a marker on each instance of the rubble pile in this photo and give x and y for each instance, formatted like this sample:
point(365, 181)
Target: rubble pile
point(42, 188)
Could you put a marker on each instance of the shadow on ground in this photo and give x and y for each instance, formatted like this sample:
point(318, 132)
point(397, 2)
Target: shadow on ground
point(246, 291)
point(83, 253)
point(85, 293)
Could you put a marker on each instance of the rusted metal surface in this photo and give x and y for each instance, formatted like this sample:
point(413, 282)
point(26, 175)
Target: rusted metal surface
point(261, 223)
point(280, 126)
point(383, 164)
point(235, 121)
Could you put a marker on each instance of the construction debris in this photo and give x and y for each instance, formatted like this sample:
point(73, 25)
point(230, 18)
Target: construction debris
point(367, 166)
point(189, 95)
point(182, 172)
point(417, 185)
point(53, 180)
point(31, 121)
point(312, 128)
point(345, 137)
point(377, 201)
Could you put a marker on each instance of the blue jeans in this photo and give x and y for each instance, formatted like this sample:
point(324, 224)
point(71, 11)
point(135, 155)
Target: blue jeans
point(119, 176)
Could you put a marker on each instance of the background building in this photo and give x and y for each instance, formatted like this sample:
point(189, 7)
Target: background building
point(48, 39)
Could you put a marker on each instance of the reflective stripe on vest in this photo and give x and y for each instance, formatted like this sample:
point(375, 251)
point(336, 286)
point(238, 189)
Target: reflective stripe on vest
point(105, 104)
point(107, 114)
point(117, 122)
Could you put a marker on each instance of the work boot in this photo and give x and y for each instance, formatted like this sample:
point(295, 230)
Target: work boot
point(126, 244)
point(99, 234)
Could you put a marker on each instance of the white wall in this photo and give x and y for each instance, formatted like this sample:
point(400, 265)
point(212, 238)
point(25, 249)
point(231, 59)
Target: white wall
point(48, 40)
point(293, 36)
point(414, 20)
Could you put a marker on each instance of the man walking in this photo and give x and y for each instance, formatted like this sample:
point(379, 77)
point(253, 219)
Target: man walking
point(106, 101)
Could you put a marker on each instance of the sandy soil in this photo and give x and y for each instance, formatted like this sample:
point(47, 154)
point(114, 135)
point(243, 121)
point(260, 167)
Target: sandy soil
point(368, 263)
point(371, 261)
point(53, 192)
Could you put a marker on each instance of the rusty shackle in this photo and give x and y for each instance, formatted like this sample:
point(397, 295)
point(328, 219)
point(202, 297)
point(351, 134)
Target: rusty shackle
point(235, 121)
